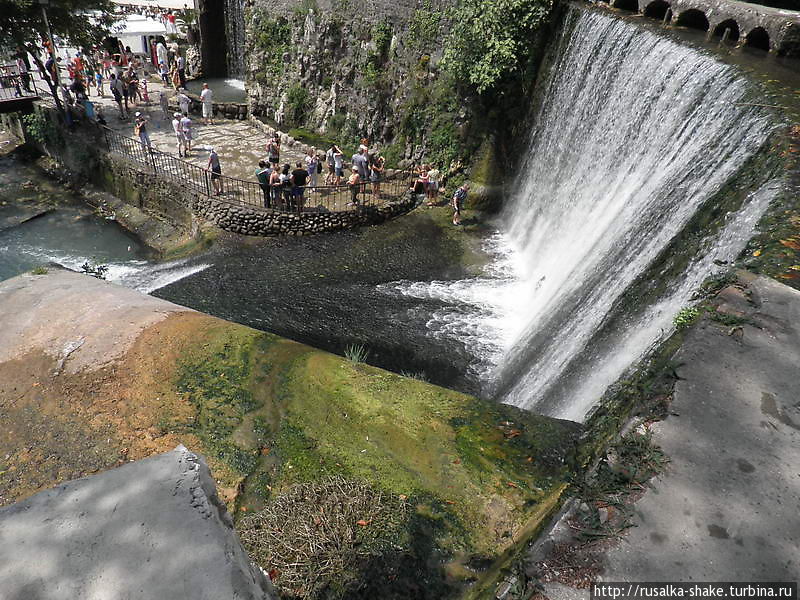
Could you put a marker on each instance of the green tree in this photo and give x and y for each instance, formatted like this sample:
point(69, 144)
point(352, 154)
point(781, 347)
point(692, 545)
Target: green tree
point(81, 23)
point(490, 39)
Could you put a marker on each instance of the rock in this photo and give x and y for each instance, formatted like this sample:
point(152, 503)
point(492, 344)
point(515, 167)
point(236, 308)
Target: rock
point(151, 529)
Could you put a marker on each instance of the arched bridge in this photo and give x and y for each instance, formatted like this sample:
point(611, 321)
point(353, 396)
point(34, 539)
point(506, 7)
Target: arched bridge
point(772, 29)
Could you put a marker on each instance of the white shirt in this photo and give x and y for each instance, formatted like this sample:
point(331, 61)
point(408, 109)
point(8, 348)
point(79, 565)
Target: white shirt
point(206, 95)
point(176, 125)
point(183, 99)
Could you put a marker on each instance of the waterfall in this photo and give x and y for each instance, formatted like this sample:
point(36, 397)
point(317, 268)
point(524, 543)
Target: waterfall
point(634, 136)
point(234, 33)
point(635, 133)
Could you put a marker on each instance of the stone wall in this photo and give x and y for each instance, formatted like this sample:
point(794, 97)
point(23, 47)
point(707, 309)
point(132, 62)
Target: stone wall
point(250, 220)
point(345, 70)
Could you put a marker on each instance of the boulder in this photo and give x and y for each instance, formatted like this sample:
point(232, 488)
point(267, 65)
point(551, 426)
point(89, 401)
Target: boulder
point(151, 529)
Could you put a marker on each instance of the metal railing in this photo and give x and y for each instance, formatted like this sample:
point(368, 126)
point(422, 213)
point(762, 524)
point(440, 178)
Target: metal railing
point(320, 198)
point(15, 85)
point(282, 198)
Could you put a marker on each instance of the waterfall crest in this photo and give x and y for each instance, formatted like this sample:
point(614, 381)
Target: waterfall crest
point(635, 133)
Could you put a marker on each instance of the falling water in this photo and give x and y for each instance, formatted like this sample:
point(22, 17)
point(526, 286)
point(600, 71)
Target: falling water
point(234, 32)
point(635, 133)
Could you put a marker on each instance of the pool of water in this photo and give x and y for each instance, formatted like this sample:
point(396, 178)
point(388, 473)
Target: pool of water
point(42, 223)
point(225, 90)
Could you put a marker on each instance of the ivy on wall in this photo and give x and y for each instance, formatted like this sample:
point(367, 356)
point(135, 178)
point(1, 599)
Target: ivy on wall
point(491, 39)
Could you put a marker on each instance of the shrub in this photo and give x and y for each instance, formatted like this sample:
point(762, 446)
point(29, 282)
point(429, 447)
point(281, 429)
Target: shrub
point(686, 317)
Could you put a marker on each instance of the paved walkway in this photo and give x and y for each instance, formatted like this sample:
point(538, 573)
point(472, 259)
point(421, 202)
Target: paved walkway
point(726, 508)
point(240, 145)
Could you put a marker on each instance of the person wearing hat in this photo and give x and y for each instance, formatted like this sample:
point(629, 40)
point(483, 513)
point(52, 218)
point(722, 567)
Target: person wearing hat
point(140, 129)
point(181, 138)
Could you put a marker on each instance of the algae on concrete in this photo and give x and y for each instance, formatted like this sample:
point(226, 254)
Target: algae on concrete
point(476, 478)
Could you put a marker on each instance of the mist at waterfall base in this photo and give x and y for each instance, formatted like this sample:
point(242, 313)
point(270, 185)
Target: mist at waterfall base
point(634, 134)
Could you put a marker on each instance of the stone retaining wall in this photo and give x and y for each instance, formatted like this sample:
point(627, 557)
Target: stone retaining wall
point(250, 220)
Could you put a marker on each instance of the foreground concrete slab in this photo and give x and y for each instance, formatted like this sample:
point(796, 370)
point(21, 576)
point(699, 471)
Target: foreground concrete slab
point(727, 508)
point(150, 530)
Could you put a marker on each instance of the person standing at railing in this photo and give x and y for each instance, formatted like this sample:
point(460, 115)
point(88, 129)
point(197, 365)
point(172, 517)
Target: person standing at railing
point(286, 187)
point(140, 129)
point(216, 171)
point(263, 174)
point(338, 165)
point(361, 163)
point(24, 76)
point(299, 181)
point(275, 186)
point(376, 174)
point(312, 166)
point(354, 183)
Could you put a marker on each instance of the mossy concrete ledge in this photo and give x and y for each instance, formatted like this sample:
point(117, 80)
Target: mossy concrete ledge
point(93, 375)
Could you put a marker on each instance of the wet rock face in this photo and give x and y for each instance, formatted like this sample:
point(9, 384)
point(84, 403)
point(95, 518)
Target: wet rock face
point(151, 529)
point(356, 65)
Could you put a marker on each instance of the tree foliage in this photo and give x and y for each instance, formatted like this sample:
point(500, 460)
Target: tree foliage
point(490, 39)
point(22, 23)
point(79, 23)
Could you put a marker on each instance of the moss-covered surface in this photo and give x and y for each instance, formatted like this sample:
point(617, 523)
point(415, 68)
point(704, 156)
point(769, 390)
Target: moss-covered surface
point(273, 414)
point(467, 480)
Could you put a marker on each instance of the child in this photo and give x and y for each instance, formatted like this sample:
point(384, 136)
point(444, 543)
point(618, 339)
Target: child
point(98, 80)
point(354, 181)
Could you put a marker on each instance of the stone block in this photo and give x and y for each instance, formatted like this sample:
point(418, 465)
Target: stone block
point(151, 529)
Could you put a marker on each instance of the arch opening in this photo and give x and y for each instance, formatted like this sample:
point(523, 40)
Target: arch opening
point(631, 5)
point(757, 38)
point(693, 19)
point(731, 25)
point(656, 10)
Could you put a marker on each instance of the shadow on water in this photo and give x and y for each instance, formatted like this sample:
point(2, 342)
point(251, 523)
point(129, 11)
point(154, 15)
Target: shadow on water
point(324, 291)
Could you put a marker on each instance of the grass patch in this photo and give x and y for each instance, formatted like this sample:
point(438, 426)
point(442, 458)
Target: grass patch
point(356, 353)
point(40, 270)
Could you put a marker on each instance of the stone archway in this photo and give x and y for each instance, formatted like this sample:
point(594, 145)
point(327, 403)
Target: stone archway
point(632, 5)
point(758, 38)
point(693, 19)
point(731, 25)
point(656, 9)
